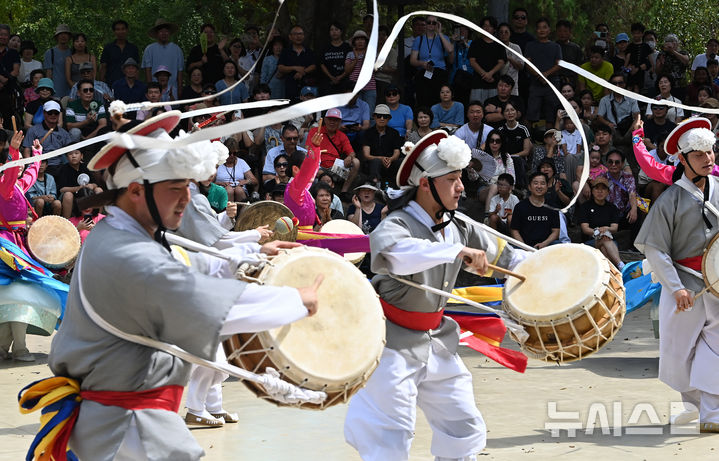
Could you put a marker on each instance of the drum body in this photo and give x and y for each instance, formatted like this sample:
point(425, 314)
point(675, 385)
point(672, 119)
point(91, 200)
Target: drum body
point(342, 226)
point(710, 266)
point(266, 213)
point(572, 303)
point(53, 241)
point(334, 351)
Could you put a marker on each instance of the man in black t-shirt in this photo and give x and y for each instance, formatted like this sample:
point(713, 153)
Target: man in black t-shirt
point(381, 146)
point(599, 221)
point(493, 106)
point(532, 222)
point(487, 58)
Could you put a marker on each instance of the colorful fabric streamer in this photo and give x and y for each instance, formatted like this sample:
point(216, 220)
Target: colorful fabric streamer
point(339, 243)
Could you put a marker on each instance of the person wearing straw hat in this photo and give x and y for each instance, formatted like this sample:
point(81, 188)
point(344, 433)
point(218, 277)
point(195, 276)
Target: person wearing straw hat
point(128, 394)
point(424, 238)
point(675, 234)
point(163, 53)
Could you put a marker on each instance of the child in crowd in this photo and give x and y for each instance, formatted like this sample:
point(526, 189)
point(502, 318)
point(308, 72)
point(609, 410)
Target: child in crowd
point(596, 169)
point(502, 205)
point(571, 138)
point(43, 194)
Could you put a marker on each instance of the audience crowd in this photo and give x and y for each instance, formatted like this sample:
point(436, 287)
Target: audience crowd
point(449, 78)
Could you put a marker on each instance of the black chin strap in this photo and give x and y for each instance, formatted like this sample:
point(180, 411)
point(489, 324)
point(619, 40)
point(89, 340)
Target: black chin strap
point(696, 179)
point(442, 211)
point(152, 207)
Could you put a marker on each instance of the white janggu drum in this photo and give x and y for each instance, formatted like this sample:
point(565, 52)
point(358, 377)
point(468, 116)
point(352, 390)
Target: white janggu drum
point(571, 304)
point(53, 241)
point(334, 351)
point(342, 226)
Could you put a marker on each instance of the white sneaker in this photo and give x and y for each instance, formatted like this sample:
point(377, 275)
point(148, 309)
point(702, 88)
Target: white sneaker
point(685, 417)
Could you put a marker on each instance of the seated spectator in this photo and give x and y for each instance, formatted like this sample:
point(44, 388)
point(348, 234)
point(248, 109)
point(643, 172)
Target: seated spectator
point(659, 126)
point(153, 95)
point(599, 67)
point(208, 90)
point(43, 193)
point(517, 142)
point(240, 93)
point(713, 68)
point(168, 92)
point(501, 206)
point(194, 87)
point(532, 222)
point(603, 139)
point(381, 149)
point(588, 111)
point(505, 165)
point(290, 138)
point(282, 174)
point(623, 193)
point(617, 111)
point(401, 114)
point(216, 194)
point(335, 146)
point(86, 219)
point(34, 109)
point(474, 132)
point(596, 169)
point(701, 80)
point(27, 62)
point(364, 211)
point(236, 176)
point(355, 118)
point(559, 191)
point(493, 106)
point(448, 114)
point(423, 120)
point(307, 121)
point(664, 85)
point(55, 140)
point(129, 89)
point(30, 93)
point(323, 201)
point(599, 221)
point(102, 91)
point(326, 178)
point(67, 181)
point(571, 138)
point(278, 193)
point(549, 148)
point(84, 117)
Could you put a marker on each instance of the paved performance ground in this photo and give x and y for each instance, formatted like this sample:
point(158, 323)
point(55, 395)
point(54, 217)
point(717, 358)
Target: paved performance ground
point(611, 385)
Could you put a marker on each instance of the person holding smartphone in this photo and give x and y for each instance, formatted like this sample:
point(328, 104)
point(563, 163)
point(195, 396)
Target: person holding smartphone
point(430, 55)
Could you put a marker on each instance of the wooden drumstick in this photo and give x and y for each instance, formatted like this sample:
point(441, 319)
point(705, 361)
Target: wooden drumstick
point(14, 124)
point(507, 272)
point(46, 135)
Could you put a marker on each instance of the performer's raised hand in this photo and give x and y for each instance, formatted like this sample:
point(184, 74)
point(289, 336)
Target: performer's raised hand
point(475, 259)
point(684, 299)
point(231, 210)
point(638, 123)
point(274, 247)
point(16, 140)
point(36, 147)
point(309, 295)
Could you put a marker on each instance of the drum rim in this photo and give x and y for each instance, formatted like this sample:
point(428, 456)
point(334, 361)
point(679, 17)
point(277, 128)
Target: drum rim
point(296, 372)
point(707, 283)
point(243, 225)
point(569, 312)
point(358, 256)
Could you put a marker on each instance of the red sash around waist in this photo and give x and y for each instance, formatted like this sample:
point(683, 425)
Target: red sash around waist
point(695, 262)
point(421, 321)
point(161, 398)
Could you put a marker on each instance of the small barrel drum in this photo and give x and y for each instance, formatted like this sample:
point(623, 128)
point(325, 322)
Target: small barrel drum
point(265, 213)
point(334, 351)
point(342, 226)
point(53, 241)
point(571, 304)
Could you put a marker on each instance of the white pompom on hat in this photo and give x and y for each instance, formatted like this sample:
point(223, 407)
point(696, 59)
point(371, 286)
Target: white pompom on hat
point(436, 154)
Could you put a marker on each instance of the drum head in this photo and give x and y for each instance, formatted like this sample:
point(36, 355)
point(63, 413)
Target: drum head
point(265, 213)
point(710, 266)
point(560, 280)
point(54, 241)
point(345, 338)
point(342, 226)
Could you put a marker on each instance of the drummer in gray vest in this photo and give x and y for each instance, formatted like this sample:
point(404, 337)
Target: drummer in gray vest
point(127, 275)
point(677, 230)
point(425, 240)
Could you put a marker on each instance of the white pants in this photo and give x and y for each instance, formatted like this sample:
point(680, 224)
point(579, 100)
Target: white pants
point(13, 333)
point(204, 391)
point(381, 417)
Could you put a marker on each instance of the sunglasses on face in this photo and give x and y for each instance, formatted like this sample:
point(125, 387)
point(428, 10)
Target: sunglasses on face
point(88, 90)
point(282, 165)
point(384, 116)
point(613, 162)
point(392, 93)
point(53, 112)
point(293, 138)
point(495, 141)
point(516, 16)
